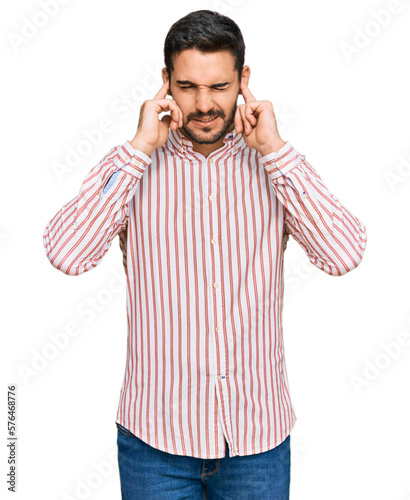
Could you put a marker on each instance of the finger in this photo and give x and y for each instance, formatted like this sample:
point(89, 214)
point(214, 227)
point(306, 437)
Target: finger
point(170, 105)
point(250, 114)
point(163, 91)
point(247, 94)
point(246, 125)
point(238, 121)
point(241, 124)
point(177, 119)
point(167, 120)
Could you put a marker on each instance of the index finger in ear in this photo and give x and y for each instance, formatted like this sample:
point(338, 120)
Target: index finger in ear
point(163, 91)
point(247, 94)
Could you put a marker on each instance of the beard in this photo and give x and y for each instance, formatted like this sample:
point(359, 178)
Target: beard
point(203, 136)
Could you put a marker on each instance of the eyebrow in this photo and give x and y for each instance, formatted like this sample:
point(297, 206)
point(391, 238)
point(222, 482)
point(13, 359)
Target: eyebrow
point(187, 82)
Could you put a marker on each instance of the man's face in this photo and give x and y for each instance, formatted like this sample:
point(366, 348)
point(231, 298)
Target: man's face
point(205, 86)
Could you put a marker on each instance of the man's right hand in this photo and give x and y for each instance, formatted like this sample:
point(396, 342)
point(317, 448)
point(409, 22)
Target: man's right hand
point(153, 132)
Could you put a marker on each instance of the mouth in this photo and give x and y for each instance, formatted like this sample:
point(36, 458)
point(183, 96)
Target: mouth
point(206, 122)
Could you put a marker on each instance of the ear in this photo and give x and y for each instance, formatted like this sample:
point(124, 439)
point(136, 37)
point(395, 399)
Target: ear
point(165, 78)
point(246, 73)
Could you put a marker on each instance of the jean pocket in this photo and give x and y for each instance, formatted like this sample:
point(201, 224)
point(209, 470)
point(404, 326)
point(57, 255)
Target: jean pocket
point(123, 430)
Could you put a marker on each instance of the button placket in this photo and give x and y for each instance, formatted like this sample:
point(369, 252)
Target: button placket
point(216, 284)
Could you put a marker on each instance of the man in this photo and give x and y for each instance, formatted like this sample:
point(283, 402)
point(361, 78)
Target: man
point(203, 200)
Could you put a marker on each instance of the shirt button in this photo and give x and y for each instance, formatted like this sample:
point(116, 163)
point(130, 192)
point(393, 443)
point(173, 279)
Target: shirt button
point(217, 329)
point(211, 197)
point(126, 158)
point(213, 241)
point(216, 285)
point(219, 377)
point(304, 195)
point(211, 160)
point(272, 168)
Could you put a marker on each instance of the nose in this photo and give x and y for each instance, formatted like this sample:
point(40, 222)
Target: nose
point(204, 101)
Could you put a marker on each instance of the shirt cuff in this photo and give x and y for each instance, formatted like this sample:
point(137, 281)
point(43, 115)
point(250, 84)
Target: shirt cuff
point(131, 160)
point(279, 164)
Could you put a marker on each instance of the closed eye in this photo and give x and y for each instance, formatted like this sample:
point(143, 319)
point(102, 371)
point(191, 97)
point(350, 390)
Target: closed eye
point(218, 86)
point(213, 88)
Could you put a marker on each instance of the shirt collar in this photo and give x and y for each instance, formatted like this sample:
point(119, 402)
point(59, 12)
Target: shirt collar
point(178, 144)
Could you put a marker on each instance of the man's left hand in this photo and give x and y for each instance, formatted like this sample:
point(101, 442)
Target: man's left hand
point(257, 123)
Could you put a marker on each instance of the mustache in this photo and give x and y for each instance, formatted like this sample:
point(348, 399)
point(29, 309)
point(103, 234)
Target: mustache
point(204, 116)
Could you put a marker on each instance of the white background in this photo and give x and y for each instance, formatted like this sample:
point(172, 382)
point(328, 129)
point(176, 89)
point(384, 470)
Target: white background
point(348, 114)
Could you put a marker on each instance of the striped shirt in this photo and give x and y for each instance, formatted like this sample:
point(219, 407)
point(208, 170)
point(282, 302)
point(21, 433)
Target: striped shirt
point(203, 240)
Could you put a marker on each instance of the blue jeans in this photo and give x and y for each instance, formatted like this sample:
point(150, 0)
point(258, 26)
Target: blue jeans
point(148, 473)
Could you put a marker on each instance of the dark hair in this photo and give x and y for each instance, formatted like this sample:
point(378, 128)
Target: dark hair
point(205, 31)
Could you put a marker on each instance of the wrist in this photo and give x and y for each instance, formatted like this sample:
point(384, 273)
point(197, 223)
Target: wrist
point(272, 147)
point(141, 145)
